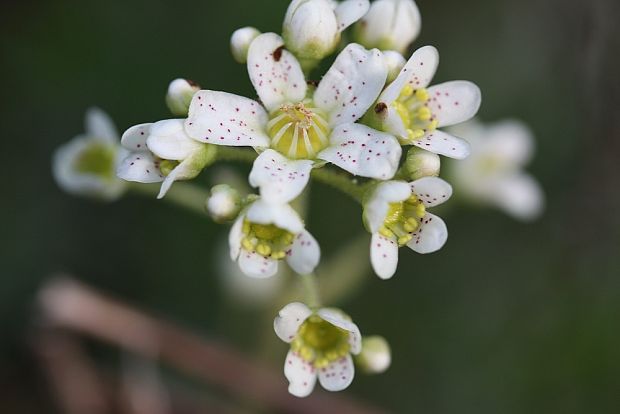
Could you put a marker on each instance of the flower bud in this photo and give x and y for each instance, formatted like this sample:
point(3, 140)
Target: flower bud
point(310, 29)
point(240, 42)
point(420, 163)
point(389, 25)
point(375, 357)
point(395, 62)
point(224, 203)
point(179, 96)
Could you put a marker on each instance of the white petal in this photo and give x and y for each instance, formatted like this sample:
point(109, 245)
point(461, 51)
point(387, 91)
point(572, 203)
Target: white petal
point(289, 320)
point(255, 265)
point(304, 254)
point(520, 196)
point(99, 125)
point(168, 140)
point(510, 142)
point(134, 139)
point(432, 191)
point(442, 143)
point(281, 215)
point(430, 236)
point(235, 236)
point(350, 11)
point(376, 208)
point(418, 72)
point(184, 171)
point(280, 180)
point(363, 151)
point(352, 84)
point(338, 375)
point(275, 72)
point(340, 320)
point(383, 256)
point(140, 167)
point(300, 374)
point(222, 118)
point(454, 102)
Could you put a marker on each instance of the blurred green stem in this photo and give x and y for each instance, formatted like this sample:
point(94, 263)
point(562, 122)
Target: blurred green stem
point(311, 290)
point(189, 196)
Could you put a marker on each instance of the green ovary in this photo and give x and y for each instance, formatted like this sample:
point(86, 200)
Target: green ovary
point(298, 131)
point(96, 159)
point(412, 107)
point(267, 240)
point(403, 219)
point(320, 342)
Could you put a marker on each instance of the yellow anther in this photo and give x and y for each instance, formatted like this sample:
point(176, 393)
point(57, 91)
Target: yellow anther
point(433, 125)
point(278, 255)
point(421, 94)
point(409, 227)
point(403, 112)
point(415, 134)
point(406, 91)
point(263, 249)
point(402, 240)
point(246, 227)
point(424, 113)
point(321, 363)
point(420, 210)
point(247, 244)
point(385, 232)
point(306, 353)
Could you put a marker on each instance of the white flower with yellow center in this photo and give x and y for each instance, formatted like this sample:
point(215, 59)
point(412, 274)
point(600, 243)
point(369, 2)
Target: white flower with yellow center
point(85, 165)
point(298, 124)
point(411, 110)
point(322, 343)
point(162, 152)
point(268, 232)
point(493, 174)
point(396, 215)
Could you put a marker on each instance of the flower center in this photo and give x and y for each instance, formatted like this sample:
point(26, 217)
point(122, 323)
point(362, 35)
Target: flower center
point(320, 342)
point(267, 240)
point(298, 131)
point(412, 107)
point(402, 219)
point(96, 159)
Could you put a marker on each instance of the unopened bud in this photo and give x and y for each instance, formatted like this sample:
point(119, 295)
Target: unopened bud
point(375, 357)
point(310, 29)
point(224, 203)
point(420, 163)
point(240, 42)
point(389, 25)
point(179, 96)
point(394, 62)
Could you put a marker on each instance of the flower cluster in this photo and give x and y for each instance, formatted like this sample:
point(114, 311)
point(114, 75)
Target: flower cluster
point(373, 126)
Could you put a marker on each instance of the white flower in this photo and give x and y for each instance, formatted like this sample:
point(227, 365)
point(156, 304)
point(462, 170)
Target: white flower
point(300, 124)
point(421, 163)
point(162, 152)
point(322, 343)
point(389, 25)
point(224, 203)
point(312, 28)
point(179, 96)
point(375, 356)
point(240, 42)
point(493, 174)
point(396, 216)
point(268, 232)
point(85, 165)
point(412, 111)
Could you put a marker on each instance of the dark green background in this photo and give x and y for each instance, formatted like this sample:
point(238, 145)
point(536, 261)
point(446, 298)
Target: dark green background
point(507, 318)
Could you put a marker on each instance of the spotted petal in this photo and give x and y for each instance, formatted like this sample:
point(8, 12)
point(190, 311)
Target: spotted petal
point(141, 167)
point(430, 236)
point(99, 125)
point(432, 191)
point(350, 11)
point(281, 215)
point(418, 73)
point(300, 374)
point(352, 84)
point(338, 375)
point(134, 139)
point(275, 72)
point(304, 254)
point(376, 208)
point(383, 255)
point(168, 140)
point(442, 143)
point(280, 180)
point(222, 118)
point(363, 151)
point(255, 265)
point(454, 102)
point(289, 319)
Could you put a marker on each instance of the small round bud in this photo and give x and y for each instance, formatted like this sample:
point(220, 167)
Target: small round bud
point(310, 29)
point(389, 25)
point(179, 96)
point(224, 203)
point(395, 62)
point(420, 163)
point(376, 356)
point(240, 42)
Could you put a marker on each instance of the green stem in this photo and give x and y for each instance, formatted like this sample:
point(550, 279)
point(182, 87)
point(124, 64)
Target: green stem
point(342, 182)
point(185, 195)
point(311, 288)
point(236, 154)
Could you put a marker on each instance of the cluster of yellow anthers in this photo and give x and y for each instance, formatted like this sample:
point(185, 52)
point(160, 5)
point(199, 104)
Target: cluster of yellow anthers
point(412, 107)
point(402, 219)
point(320, 343)
point(267, 240)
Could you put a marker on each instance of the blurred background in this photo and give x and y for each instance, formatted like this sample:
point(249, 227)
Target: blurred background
point(507, 318)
